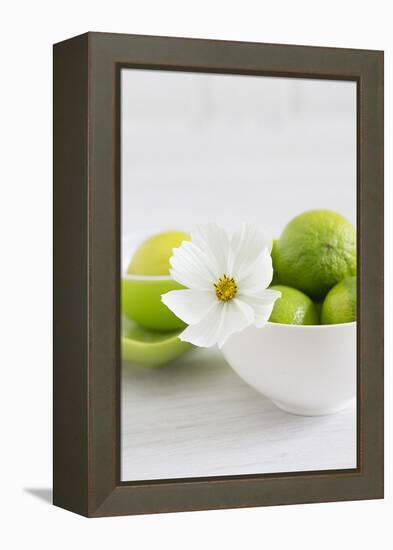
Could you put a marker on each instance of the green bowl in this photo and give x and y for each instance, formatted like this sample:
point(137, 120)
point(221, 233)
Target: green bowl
point(150, 349)
point(141, 301)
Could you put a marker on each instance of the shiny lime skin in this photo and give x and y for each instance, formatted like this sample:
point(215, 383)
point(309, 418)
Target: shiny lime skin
point(293, 308)
point(339, 305)
point(316, 250)
point(141, 302)
point(150, 349)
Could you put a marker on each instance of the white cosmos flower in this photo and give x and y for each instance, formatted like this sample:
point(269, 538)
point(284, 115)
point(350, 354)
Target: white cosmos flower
point(226, 279)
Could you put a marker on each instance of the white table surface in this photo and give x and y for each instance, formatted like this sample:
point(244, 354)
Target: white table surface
point(196, 418)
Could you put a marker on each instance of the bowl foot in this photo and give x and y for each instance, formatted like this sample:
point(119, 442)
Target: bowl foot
point(309, 411)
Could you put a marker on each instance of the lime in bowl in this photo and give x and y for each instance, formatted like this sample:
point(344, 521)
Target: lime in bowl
point(147, 278)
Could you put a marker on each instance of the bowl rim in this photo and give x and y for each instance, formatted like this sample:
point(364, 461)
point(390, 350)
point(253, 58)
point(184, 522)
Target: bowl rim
point(313, 327)
point(142, 344)
point(132, 277)
point(168, 336)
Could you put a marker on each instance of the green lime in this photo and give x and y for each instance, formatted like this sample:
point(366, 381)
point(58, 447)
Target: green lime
point(316, 250)
point(152, 257)
point(339, 305)
point(141, 302)
point(293, 308)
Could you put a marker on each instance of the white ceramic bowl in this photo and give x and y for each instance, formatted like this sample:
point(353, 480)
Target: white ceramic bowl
point(306, 370)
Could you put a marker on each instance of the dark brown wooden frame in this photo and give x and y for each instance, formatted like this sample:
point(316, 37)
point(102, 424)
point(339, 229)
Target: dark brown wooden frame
point(86, 420)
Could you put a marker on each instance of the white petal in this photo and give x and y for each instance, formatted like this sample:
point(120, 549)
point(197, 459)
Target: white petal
point(236, 316)
point(189, 305)
point(222, 320)
point(215, 243)
point(262, 304)
point(247, 243)
point(258, 275)
point(190, 267)
point(204, 333)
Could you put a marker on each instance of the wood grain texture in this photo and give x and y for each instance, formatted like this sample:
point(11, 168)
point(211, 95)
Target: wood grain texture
point(196, 417)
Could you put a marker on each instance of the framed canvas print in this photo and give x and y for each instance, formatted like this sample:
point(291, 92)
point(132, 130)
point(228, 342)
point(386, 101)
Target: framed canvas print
point(218, 274)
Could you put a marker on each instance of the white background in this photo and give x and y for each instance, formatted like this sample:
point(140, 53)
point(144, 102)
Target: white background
point(198, 148)
point(28, 29)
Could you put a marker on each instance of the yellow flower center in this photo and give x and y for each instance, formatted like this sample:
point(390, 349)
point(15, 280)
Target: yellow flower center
point(226, 288)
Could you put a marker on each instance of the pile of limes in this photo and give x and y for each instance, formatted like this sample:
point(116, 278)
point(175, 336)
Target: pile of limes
point(314, 265)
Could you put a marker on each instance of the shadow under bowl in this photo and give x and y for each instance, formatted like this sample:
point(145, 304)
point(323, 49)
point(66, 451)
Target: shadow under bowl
point(306, 370)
